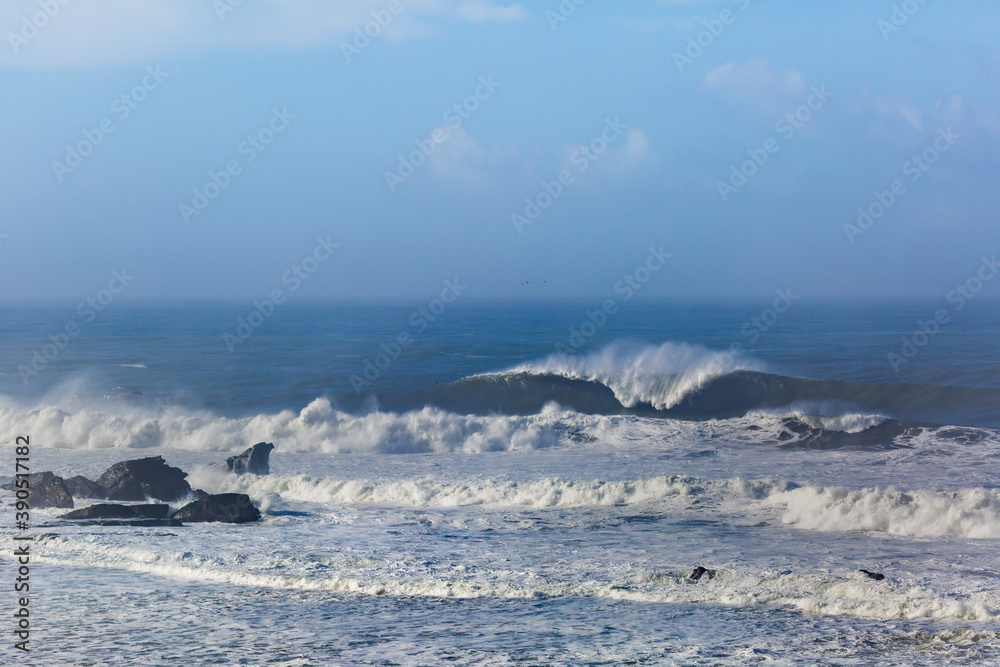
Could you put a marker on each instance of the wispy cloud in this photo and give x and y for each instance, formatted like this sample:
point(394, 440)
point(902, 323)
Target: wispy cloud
point(84, 34)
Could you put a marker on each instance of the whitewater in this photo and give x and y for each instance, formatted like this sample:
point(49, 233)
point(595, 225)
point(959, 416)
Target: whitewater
point(491, 505)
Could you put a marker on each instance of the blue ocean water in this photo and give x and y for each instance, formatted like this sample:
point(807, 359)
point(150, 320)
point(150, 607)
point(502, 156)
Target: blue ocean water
point(483, 497)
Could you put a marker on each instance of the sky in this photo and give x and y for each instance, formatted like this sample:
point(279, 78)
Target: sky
point(375, 149)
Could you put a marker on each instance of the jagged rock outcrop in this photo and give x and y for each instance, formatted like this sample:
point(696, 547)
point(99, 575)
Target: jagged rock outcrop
point(144, 478)
point(223, 507)
point(47, 490)
point(109, 511)
point(81, 487)
point(254, 460)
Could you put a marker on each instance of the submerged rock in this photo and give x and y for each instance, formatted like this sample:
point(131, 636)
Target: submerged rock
point(877, 576)
point(47, 490)
point(81, 487)
point(109, 511)
point(254, 460)
point(223, 507)
point(144, 478)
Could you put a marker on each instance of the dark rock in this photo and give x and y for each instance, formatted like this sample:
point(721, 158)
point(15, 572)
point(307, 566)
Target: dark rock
point(700, 572)
point(34, 479)
point(254, 460)
point(47, 490)
point(108, 511)
point(877, 576)
point(224, 507)
point(144, 478)
point(138, 523)
point(81, 487)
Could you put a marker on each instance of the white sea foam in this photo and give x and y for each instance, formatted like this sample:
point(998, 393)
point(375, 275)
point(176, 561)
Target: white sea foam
point(318, 427)
point(660, 375)
point(972, 513)
point(549, 492)
point(737, 585)
point(830, 416)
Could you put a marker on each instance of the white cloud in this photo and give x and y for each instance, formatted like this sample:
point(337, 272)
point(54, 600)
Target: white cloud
point(83, 34)
point(758, 82)
point(479, 11)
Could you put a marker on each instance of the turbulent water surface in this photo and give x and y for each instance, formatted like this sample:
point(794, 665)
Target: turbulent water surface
point(483, 499)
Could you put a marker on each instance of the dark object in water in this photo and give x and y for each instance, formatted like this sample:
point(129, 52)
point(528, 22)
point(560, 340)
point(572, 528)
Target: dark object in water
point(254, 460)
point(140, 479)
point(877, 576)
point(112, 511)
point(47, 490)
point(700, 572)
point(223, 507)
point(81, 487)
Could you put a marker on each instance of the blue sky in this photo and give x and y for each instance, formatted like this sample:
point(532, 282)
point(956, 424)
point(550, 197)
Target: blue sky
point(346, 116)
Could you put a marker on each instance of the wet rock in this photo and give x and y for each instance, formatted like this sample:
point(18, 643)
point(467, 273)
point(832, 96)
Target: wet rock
point(137, 523)
point(223, 507)
point(81, 487)
point(144, 478)
point(47, 490)
point(110, 511)
point(700, 572)
point(877, 576)
point(254, 460)
point(34, 479)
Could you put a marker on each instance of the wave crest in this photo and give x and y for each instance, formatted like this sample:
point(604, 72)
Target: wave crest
point(658, 375)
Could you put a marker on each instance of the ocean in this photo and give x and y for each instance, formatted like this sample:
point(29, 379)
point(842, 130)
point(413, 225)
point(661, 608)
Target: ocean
point(521, 483)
